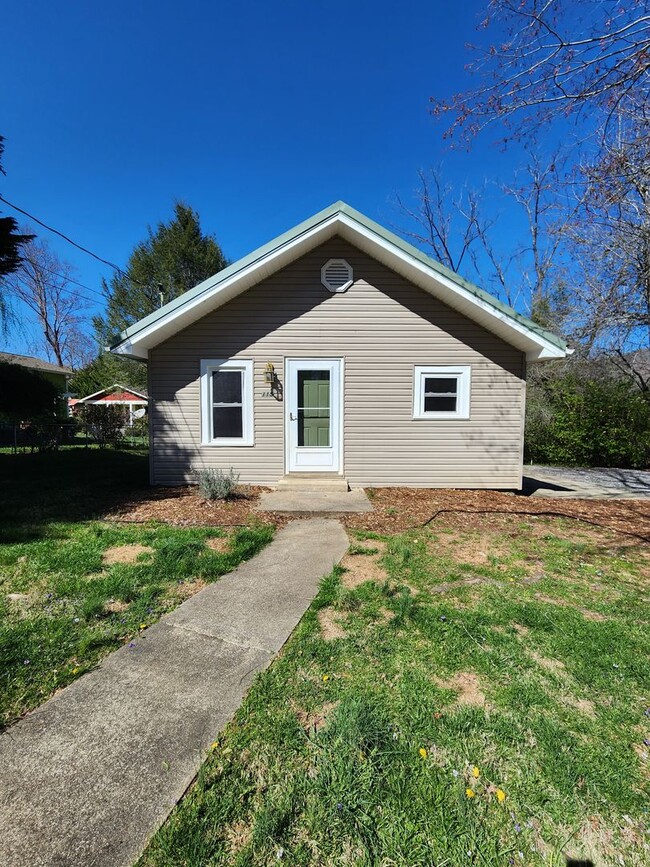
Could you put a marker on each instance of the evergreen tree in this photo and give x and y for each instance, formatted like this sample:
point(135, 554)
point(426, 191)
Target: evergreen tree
point(10, 245)
point(174, 258)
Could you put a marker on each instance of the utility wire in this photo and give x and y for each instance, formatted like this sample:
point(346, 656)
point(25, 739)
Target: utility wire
point(69, 240)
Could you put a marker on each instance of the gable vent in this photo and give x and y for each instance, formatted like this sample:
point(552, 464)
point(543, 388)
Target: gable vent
point(336, 275)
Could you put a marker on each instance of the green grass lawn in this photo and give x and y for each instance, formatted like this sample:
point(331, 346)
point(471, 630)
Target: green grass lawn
point(73, 588)
point(456, 697)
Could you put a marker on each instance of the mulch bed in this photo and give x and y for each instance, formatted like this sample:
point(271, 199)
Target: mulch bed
point(395, 510)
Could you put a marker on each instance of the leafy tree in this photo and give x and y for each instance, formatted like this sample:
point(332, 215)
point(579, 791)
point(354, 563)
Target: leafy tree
point(107, 369)
point(11, 242)
point(174, 258)
point(25, 395)
point(583, 415)
point(104, 423)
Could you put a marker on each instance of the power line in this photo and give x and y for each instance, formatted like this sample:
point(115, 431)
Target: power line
point(69, 240)
point(76, 282)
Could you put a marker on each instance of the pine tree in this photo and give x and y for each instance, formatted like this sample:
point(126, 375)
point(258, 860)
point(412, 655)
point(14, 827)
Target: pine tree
point(174, 258)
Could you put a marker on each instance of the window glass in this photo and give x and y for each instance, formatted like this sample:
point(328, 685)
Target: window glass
point(227, 386)
point(440, 394)
point(314, 408)
point(227, 421)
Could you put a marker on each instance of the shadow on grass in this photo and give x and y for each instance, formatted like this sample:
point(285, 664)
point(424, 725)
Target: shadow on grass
point(71, 485)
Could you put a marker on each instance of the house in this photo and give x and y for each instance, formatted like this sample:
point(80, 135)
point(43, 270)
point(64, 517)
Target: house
point(135, 402)
point(54, 373)
point(339, 351)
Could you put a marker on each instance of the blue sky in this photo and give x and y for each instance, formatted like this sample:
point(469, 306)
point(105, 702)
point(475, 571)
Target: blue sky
point(258, 114)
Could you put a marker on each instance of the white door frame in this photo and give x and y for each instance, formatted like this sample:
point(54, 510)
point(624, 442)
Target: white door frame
point(308, 459)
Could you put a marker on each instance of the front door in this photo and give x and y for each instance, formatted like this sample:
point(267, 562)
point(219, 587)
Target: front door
point(313, 415)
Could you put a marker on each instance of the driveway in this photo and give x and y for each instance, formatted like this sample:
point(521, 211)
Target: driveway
point(586, 482)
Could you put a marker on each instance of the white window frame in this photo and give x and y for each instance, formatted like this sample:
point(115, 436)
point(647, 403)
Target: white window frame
point(461, 372)
point(210, 366)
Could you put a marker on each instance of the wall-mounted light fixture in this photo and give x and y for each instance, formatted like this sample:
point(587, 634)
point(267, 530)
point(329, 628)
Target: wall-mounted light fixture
point(271, 377)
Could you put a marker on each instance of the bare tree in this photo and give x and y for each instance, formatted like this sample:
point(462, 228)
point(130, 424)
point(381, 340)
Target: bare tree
point(553, 58)
point(455, 228)
point(610, 236)
point(43, 284)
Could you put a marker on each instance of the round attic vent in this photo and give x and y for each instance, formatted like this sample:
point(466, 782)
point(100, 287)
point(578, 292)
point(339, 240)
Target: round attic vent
point(336, 275)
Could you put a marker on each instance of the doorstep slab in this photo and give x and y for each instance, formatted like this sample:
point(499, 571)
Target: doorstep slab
point(87, 778)
point(314, 502)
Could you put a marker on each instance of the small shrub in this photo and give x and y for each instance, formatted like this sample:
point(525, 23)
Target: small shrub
point(216, 484)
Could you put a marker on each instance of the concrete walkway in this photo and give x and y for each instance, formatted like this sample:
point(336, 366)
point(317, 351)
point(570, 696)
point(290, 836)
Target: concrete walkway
point(315, 502)
point(87, 778)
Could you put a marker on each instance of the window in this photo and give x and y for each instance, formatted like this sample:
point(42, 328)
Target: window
point(227, 402)
point(441, 392)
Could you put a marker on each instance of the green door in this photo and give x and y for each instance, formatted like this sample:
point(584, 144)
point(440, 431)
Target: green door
point(314, 408)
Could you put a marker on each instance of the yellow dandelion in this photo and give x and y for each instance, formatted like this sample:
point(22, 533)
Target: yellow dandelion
point(143, 626)
point(214, 745)
point(475, 772)
point(326, 677)
point(470, 793)
point(501, 795)
point(75, 670)
point(423, 752)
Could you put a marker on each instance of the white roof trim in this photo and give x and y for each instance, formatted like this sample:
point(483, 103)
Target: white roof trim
point(215, 292)
point(111, 388)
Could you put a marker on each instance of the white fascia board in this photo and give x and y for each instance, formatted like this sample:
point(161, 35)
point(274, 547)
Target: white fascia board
point(215, 294)
point(220, 293)
point(450, 293)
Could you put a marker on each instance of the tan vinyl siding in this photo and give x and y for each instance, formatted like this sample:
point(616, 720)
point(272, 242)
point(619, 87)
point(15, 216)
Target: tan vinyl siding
point(382, 327)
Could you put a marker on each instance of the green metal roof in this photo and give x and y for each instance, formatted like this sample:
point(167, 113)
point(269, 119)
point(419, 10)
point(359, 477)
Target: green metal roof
point(207, 286)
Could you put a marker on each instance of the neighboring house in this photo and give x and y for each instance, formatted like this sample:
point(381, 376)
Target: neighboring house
point(339, 349)
point(55, 374)
point(115, 395)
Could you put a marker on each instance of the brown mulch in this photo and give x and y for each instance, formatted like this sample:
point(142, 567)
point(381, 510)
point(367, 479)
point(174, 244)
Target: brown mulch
point(400, 509)
point(395, 510)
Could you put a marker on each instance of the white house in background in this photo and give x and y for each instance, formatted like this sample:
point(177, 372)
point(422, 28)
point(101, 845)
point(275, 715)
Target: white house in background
point(115, 395)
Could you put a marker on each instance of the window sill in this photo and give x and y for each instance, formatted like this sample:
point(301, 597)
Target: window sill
point(220, 444)
point(441, 416)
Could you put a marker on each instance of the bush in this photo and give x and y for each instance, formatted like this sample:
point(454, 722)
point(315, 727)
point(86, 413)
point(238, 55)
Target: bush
point(105, 423)
point(576, 421)
point(216, 484)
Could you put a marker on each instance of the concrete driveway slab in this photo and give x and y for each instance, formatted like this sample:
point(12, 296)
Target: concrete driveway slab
point(88, 777)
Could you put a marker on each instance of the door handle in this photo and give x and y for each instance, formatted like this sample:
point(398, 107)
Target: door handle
point(291, 418)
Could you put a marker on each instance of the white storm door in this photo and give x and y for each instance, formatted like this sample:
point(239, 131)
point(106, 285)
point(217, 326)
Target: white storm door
point(313, 415)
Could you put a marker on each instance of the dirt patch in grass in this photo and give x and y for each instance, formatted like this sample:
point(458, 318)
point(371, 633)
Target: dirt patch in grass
point(185, 589)
point(553, 665)
point(313, 721)
point(330, 626)
point(115, 606)
point(237, 836)
point(520, 629)
point(583, 705)
point(125, 553)
point(360, 568)
point(468, 687)
point(220, 544)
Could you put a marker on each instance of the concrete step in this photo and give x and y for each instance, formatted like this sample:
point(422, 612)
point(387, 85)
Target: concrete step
point(313, 482)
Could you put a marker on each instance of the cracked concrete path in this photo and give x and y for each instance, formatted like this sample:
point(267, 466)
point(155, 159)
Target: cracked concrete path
point(88, 777)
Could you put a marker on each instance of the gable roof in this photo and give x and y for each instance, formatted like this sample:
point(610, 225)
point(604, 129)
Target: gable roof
point(109, 390)
point(379, 243)
point(34, 363)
